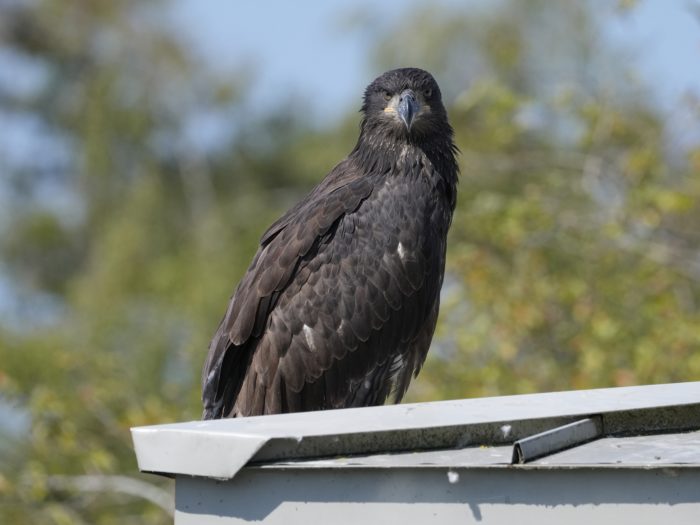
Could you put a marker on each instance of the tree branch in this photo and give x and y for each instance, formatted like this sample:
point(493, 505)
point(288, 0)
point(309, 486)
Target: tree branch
point(122, 484)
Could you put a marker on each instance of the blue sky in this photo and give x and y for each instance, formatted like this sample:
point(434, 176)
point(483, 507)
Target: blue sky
point(665, 36)
point(300, 47)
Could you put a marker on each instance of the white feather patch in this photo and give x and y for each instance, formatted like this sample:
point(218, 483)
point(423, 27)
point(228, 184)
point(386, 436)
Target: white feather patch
point(401, 251)
point(309, 335)
point(397, 364)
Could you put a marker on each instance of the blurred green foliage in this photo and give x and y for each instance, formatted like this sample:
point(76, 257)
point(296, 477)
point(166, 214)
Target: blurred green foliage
point(573, 256)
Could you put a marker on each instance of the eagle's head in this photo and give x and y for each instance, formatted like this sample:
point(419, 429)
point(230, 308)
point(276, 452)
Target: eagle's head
point(404, 104)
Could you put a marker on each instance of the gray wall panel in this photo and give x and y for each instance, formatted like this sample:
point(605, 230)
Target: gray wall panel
point(439, 496)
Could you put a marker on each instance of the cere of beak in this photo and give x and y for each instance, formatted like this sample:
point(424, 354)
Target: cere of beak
point(408, 107)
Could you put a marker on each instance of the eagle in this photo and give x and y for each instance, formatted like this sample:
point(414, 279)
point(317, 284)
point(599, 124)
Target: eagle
point(339, 305)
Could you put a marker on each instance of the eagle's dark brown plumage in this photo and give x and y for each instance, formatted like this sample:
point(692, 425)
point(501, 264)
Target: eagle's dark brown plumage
point(339, 305)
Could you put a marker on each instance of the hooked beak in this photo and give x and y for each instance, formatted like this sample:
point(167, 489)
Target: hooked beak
point(408, 107)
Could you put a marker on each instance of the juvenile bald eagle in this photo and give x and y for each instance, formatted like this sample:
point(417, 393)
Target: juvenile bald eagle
point(339, 305)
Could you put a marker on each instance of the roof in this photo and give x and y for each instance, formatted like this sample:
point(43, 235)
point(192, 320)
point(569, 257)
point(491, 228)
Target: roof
point(651, 426)
point(647, 451)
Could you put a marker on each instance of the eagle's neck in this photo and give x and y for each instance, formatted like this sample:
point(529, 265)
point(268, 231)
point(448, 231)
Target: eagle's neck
point(382, 154)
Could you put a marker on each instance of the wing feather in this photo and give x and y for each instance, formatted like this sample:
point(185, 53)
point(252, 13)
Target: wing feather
point(278, 261)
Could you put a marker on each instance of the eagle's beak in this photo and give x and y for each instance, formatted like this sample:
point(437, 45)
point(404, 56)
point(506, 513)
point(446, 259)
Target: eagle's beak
point(408, 107)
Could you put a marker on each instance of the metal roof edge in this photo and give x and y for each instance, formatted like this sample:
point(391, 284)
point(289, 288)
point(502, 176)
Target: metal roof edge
point(167, 452)
point(219, 449)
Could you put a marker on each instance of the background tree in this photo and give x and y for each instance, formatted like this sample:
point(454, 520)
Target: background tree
point(573, 254)
point(573, 258)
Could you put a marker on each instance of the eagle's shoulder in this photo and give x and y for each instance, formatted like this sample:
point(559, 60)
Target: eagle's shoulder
point(345, 178)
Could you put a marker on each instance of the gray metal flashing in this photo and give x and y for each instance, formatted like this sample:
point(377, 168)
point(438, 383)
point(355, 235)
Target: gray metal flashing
point(219, 449)
point(557, 439)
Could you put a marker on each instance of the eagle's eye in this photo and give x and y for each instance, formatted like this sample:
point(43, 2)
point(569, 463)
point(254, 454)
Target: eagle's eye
point(428, 93)
point(387, 95)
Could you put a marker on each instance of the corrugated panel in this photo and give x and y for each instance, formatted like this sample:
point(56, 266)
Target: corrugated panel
point(652, 451)
point(481, 456)
point(658, 450)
